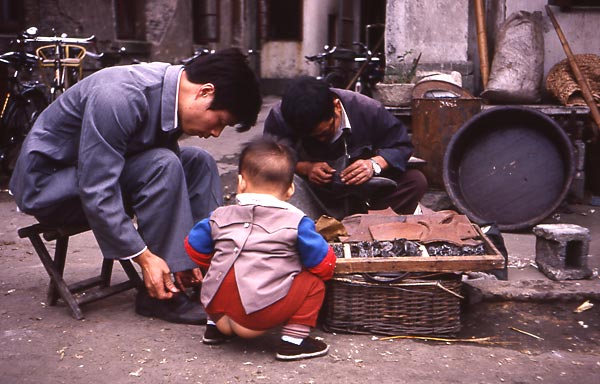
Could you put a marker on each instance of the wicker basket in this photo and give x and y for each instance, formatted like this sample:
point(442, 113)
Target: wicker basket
point(413, 306)
point(561, 82)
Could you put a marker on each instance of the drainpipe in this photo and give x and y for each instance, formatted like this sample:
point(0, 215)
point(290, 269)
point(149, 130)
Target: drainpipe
point(253, 35)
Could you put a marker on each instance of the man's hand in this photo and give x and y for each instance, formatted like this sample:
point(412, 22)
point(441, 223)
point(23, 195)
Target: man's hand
point(189, 278)
point(157, 276)
point(357, 173)
point(317, 173)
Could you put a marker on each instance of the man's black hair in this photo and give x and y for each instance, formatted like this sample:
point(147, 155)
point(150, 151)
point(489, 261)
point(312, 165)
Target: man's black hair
point(236, 86)
point(267, 161)
point(306, 103)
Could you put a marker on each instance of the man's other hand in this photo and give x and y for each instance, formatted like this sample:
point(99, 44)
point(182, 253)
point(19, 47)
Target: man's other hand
point(317, 173)
point(189, 278)
point(157, 276)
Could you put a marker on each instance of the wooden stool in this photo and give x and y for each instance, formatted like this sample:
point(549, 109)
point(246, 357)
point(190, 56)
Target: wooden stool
point(77, 293)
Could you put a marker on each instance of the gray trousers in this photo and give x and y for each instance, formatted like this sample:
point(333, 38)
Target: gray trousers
point(166, 193)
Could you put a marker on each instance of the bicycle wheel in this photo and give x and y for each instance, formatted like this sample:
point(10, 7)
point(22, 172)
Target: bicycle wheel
point(20, 115)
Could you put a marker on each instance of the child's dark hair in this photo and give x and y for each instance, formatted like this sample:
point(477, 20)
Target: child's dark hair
point(306, 103)
point(236, 86)
point(266, 161)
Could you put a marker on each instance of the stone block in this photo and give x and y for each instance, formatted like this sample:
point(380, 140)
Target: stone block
point(561, 251)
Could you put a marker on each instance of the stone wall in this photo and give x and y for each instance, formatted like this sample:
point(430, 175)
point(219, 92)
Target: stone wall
point(444, 31)
point(436, 29)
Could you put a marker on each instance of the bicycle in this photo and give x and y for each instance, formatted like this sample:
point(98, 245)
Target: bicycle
point(22, 103)
point(335, 65)
point(64, 55)
point(349, 69)
point(107, 58)
point(370, 72)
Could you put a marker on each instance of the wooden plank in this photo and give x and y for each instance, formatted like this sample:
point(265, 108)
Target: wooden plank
point(419, 264)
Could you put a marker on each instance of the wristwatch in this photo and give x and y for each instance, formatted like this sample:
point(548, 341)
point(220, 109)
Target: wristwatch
point(376, 167)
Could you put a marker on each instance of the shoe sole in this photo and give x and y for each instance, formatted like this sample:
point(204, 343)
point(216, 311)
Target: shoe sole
point(302, 355)
point(213, 341)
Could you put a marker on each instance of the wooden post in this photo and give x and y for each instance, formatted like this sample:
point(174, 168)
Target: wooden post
point(482, 42)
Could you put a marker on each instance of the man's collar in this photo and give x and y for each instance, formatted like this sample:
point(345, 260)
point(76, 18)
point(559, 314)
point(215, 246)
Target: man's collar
point(264, 200)
point(170, 97)
point(344, 124)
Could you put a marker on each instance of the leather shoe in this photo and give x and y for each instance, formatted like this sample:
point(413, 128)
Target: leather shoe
point(375, 186)
point(179, 309)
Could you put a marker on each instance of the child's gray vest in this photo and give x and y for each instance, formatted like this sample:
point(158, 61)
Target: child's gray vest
point(261, 243)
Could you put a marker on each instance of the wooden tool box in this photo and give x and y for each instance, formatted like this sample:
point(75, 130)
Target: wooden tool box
point(404, 295)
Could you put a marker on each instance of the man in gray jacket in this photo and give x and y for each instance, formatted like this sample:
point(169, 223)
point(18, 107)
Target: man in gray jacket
point(107, 150)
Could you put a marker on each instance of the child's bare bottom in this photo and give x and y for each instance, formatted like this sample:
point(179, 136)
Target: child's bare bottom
point(300, 307)
point(229, 327)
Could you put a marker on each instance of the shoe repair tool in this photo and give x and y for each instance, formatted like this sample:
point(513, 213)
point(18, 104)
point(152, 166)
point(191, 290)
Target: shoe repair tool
point(581, 80)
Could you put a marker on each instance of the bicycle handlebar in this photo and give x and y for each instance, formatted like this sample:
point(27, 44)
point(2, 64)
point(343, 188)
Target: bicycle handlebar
point(60, 39)
point(19, 58)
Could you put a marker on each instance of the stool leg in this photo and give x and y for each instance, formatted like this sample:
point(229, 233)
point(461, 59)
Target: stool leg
point(60, 255)
point(106, 272)
point(55, 274)
point(134, 277)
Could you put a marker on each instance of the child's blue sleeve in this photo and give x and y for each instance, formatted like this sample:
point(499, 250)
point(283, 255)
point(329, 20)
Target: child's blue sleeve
point(200, 238)
point(311, 245)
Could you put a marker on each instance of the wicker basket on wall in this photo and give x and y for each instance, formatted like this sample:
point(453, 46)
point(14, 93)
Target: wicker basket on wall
point(561, 82)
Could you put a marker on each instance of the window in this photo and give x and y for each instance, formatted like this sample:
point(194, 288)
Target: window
point(130, 20)
point(205, 15)
point(11, 16)
point(284, 20)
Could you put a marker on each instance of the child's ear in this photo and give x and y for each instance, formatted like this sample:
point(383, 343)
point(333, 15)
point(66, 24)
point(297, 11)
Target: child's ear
point(290, 192)
point(241, 184)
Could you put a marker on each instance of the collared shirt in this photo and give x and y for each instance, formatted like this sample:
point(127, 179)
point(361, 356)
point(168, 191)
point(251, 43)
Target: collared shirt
point(176, 119)
point(344, 124)
point(264, 200)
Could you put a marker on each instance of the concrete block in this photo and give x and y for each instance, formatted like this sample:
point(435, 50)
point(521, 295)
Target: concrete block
point(561, 251)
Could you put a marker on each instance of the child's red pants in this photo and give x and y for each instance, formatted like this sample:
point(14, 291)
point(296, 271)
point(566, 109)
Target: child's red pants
point(300, 306)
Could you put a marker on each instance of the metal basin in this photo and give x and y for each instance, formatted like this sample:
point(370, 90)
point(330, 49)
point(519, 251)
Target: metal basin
point(508, 165)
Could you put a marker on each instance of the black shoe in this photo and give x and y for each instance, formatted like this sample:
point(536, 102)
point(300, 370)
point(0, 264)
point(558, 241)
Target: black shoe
point(308, 348)
point(375, 186)
point(212, 336)
point(179, 309)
